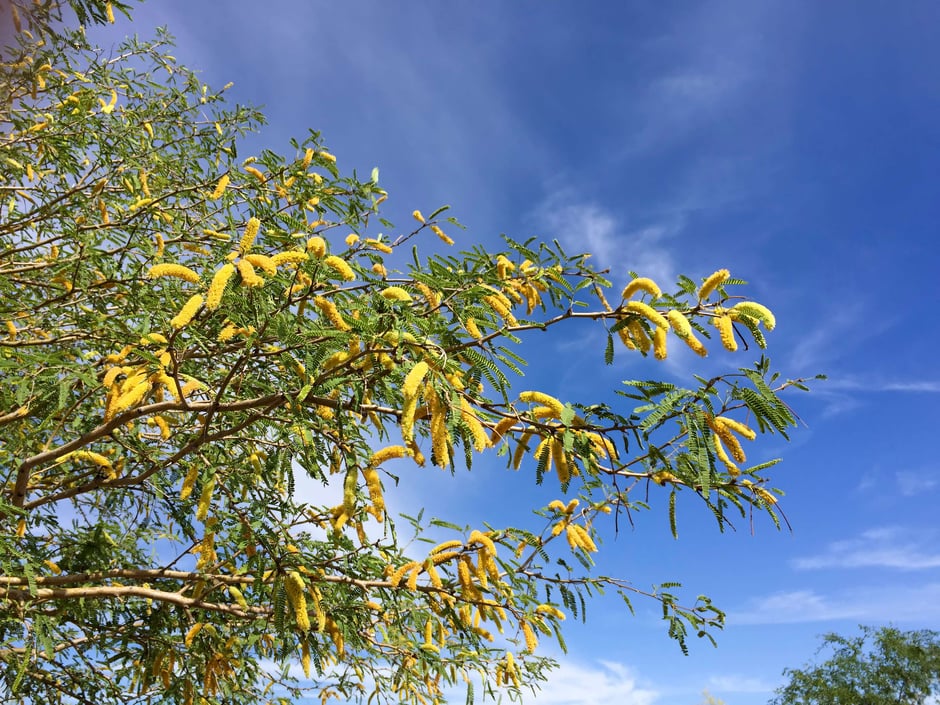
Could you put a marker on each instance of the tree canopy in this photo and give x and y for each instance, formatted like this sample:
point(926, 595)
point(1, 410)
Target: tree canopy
point(883, 666)
point(187, 329)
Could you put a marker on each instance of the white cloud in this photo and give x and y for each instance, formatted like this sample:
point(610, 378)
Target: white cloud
point(581, 684)
point(869, 603)
point(739, 684)
point(884, 547)
point(583, 226)
point(868, 385)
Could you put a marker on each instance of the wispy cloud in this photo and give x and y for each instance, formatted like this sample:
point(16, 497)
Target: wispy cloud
point(581, 684)
point(739, 684)
point(885, 547)
point(585, 226)
point(919, 603)
point(854, 384)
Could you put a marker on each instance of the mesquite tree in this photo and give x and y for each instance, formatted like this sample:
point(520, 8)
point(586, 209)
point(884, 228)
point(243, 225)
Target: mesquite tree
point(185, 331)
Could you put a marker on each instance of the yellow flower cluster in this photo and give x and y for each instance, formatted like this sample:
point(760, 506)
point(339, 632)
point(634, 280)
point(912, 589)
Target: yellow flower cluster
point(329, 310)
point(294, 586)
point(173, 270)
point(642, 284)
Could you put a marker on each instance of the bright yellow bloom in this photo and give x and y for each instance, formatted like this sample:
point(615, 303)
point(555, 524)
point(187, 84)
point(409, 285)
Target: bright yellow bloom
point(418, 216)
point(531, 642)
point(249, 277)
point(255, 172)
point(712, 283)
point(680, 324)
point(378, 245)
point(440, 233)
point(736, 426)
point(264, 263)
point(251, 232)
point(642, 284)
point(340, 266)
point(544, 399)
point(472, 328)
point(396, 293)
point(131, 397)
point(649, 312)
point(189, 481)
point(755, 310)
point(289, 257)
point(96, 458)
point(294, 585)
point(329, 310)
point(351, 239)
point(696, 345)
point(480, 440)
point(109, 12)
point(205, 498)
point(388, 453)
point(317, 246)
point(187, 312)
point(173, 270)
point(659, 343)
point(413, 379)
point(220, 187)
point(217, 287)
point(726, 332)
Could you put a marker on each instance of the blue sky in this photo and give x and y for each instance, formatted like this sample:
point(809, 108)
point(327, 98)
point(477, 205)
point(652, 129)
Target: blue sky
point(796, 143)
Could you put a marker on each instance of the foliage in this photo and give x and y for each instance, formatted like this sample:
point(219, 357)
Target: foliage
point(883, 666)
point(186, 330)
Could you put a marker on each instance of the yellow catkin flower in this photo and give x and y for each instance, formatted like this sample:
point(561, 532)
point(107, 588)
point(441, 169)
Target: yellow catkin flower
point(92, 457)
point(189, 481)
point(446, 546)
point(396, 576)
point(173, 270)
point(164, 427)
point(351, 239)
point(695, 345)
point(726, 332)
point(305, 658)
point(205, 498)
point(733, 469)
point(736, 426)
point(440, 233)
point(249, 277)
point(263, 262)
point(440, 436)
point(659, 343)
point(413, 379)
point(186, 313)
point(12, 330)
point(396, 293)
point(160, 245)
point(294, 585)
point(378, 245)
point(255, 172)
point(374, 485)
point(755, 310)
point(388, 453)
point(544, 400)
point(289, 257)
point(642, 284)
point(562, 467)
point(478, 537)
point(380, 270)
point(332, 314)
point(500, 429)
point(109, 12)
point(680, 324)
point(220, 187)
point(132, 397)
point(712, 283)
point(648, 312)
point(471, 325)
point(217, 287)
point(316, 246)
point(417, 215)
point(480, 440)
point(248, 237)
point(734, 445)
point(502, 307)
point(340, 266)
point(531, 642)
point(191, 634)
